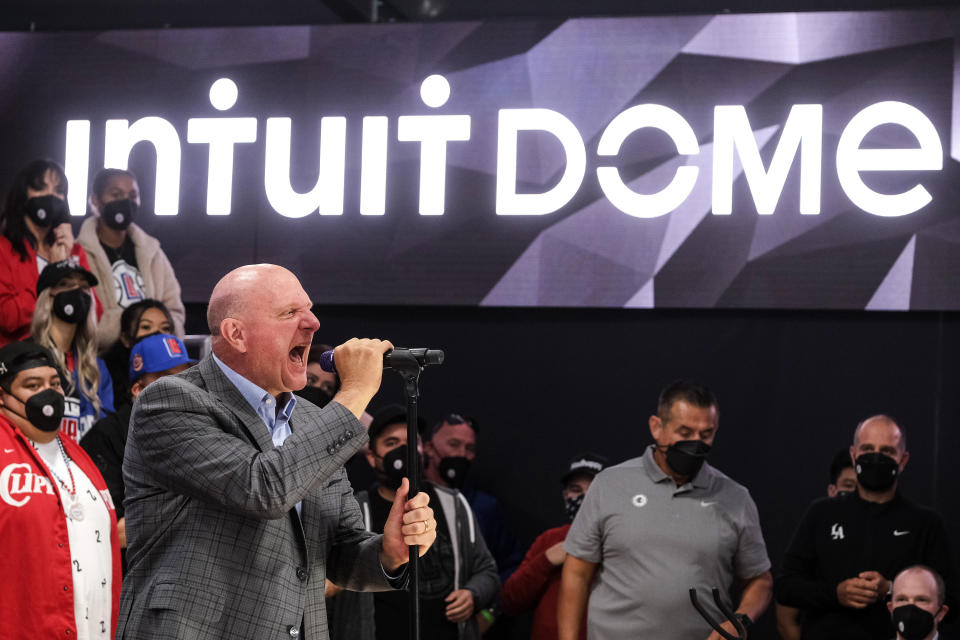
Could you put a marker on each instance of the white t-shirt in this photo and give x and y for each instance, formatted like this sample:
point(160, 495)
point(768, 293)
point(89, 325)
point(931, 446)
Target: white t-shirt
point(90, 551)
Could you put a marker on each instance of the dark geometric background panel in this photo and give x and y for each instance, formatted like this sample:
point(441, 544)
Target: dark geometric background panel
point(584, 250)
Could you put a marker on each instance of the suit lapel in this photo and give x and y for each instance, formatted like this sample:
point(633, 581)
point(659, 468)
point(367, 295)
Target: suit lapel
point(223, 390)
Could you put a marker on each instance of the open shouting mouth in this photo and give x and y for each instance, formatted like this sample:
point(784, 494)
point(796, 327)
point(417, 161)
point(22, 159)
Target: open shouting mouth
point(297, 355)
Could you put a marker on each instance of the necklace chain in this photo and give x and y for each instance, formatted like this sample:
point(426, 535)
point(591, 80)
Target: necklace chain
point(72, 490)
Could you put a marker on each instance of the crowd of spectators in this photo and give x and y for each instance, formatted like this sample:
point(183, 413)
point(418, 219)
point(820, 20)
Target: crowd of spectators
point(87, 323)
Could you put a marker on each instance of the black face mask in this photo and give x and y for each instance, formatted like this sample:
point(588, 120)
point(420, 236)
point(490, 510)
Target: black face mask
point(572, 506)
point(118, 214)
point(453, 470)
point(44, 410)
point(687, 456)
point(47, 211)
point(394, 467)
point(912, 622)
point(72, 306)
point(876, 471)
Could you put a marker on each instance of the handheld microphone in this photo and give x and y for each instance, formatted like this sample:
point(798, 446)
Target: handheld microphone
point(391, 359)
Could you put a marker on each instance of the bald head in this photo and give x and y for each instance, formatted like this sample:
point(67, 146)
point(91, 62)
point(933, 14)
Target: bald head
point(262, 325)
point(919, 579)
point(880, 428)
point(239, 290)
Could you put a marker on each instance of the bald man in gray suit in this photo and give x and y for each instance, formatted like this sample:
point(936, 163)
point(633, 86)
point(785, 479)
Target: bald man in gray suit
point(237, 503)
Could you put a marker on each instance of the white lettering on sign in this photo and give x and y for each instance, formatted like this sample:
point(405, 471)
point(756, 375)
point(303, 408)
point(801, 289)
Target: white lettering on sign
point(801, 136)
point(511, 122)
point(803, 132)
point(851, 159)
point(671, 196)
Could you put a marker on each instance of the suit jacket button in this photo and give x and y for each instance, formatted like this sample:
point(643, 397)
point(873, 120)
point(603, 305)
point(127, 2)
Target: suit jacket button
point(301, 574)
point(349, 433)
point(294, 631)
point(330, 449)
point(341, 440)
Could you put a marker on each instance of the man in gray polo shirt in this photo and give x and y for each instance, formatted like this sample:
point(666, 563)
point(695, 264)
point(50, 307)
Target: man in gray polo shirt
point(655, 526)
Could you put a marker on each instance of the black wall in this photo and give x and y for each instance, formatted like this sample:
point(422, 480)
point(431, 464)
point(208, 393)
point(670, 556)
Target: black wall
point(548, 383)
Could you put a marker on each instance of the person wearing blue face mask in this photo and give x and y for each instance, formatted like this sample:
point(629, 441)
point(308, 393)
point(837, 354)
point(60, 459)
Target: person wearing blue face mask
point(918, 603)
point(129, 263)
point(846, 550)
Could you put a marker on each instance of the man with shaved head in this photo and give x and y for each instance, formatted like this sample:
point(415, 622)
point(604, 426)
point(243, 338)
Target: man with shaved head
point(237, 503)
point(848, 548)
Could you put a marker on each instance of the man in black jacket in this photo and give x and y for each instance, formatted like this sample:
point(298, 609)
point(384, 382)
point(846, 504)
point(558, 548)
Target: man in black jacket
point(154, 357)
point(847, 549)
point(458, 576)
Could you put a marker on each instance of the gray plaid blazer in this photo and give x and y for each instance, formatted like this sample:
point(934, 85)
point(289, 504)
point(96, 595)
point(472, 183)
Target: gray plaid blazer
point(215, 546)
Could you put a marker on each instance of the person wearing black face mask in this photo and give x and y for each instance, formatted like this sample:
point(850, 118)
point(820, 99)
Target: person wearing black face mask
point(63, 564)
point(843, 481)
point(34, 231)
point(64, 323)
point(917, 603)
point(129, 263)
point(458, 576)
point(536, 582)
point(660, 525)
point(846, 550)
point(450, 451)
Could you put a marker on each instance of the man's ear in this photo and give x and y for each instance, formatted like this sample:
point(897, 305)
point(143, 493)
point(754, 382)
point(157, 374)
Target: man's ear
point(941, 614)
point(136, 389)
point(232, 331)
point(656, 427)
point(371, 459)
point(903, 460)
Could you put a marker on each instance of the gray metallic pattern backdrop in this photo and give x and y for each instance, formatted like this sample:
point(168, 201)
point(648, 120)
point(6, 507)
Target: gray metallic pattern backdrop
point(586, 252)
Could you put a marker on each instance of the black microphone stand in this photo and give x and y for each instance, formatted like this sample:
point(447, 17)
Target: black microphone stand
point(409, 369)
point(727, 611)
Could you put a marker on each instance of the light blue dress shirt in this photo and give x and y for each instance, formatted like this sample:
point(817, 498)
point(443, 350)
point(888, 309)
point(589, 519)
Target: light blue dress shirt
point(277, 422)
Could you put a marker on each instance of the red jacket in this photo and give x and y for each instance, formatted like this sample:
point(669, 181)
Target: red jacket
point(536, 583)
point(36, 593)
point(18, 289)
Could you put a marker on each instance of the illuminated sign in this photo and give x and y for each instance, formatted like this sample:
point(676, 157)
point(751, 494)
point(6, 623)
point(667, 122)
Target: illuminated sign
point(802, 135)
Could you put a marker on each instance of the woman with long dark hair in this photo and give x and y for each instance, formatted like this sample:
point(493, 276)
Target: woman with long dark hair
point(140, 319)
point(34, 231)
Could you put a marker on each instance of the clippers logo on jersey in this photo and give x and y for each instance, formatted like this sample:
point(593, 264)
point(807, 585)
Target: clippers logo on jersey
point(173, 348)
point(127, 284)
point(18, 482)
point(70, 425)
